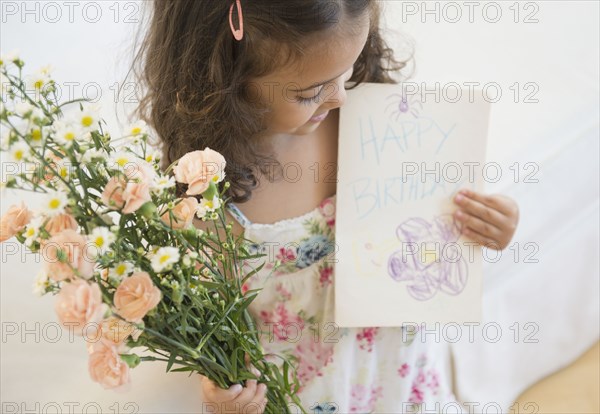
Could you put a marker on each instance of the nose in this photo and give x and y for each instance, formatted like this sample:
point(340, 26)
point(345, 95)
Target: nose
point(335, 96)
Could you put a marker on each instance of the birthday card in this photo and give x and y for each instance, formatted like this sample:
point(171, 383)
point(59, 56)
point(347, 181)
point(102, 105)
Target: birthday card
point(404, 151)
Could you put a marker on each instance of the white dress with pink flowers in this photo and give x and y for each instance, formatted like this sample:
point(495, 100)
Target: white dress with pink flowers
point(341, 370)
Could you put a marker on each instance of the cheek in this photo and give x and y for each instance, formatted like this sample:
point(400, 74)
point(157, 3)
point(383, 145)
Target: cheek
point(290, 115)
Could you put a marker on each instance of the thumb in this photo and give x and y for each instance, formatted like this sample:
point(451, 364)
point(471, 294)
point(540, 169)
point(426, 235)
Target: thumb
point(214, 393)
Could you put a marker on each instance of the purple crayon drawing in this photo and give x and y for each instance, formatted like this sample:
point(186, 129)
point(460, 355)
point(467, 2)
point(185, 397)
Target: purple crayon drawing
point(404, 105)
point(447, 273)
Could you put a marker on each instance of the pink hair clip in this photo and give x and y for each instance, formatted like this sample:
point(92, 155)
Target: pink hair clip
point(238, 34)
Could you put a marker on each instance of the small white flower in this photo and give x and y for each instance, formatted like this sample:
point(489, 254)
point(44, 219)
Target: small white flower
point(36, 81)
point(86, 137)
point(36, 136)
point(119, 160)
point(40, 283)
point(89, 155)
point(46, 70)
point(63, 169)
point(87, 119)
point(207, 206)
point(101, 239)
point(164, 257)
point(120, 270)
point(55, 203)
point(32, 230)
point(4, 85)
point(138, 128)
point(5, 138)
point(9, 57)
point(65, 134)
point(23, 109)
point(162, 182)
point(20, 152)
point(153, 157)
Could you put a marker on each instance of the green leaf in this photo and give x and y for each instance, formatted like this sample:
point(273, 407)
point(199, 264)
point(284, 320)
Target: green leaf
point(171, 360)
point(183, 369)
point(285, 376)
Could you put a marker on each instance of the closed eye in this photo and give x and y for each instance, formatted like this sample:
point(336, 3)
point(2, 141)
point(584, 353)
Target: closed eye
point(308, 101)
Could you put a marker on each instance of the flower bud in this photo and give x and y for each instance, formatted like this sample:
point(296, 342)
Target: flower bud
point(148, 209)
point(132, 360)
point(210, 192)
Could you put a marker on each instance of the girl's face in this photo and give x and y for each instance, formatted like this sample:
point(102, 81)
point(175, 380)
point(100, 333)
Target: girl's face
point(300, 96)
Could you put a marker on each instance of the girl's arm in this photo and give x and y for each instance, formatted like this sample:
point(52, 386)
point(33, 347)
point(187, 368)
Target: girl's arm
point(490, 220)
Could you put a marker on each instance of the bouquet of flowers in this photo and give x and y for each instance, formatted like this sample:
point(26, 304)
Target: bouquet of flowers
point(128, 268)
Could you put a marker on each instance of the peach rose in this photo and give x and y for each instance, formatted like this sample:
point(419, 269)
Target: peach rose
point(74, 245)
point(78, 304)
point(112, 196)
point(183, 213)
point(15, 220)
point(138, 171)
point(117, 330)
point(61, 222)
point(107, 368)
point(198, 168)
point(135, 296)
point(135, 195)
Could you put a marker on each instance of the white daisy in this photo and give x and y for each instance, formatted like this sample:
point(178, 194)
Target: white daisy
point(32, 230)
point(207, 206)
point(23, 109)
point(87, 138)
point(20, 152)
point(162, 182)
point(87, 119)
point(164, 257)
point(138, 128)
point(9, 57)
point(35, 135)
point(5, 137)
point(101, 239)
point(89, 155)
point(40, 283)
point(37, 81)
point(153, 157)
point(119, 160)
point(5, 86)
point(63, 169)
point(46, 70)
point(65, 134)
point(55, 203)
point(120, 270)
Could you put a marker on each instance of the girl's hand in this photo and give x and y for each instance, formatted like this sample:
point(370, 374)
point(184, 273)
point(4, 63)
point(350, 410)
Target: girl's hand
point(250, 399)
point(490, 220)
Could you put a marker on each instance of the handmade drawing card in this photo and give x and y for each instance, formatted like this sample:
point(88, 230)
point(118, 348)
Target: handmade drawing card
point(403, 154)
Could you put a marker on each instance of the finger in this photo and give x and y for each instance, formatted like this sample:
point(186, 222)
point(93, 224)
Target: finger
point(214, 393)
point(481, 239)
point(248, 392)
point(480, 210)
point(260, 399)
point(478, 225)
point(496, 201)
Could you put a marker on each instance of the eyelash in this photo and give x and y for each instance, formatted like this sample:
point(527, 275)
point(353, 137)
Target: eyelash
point(308, 101)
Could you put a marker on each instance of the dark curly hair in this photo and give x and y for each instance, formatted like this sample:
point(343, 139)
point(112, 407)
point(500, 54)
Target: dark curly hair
point(193, 73)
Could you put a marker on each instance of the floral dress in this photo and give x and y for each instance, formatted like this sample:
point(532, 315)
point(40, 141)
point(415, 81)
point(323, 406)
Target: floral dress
point(340, 370)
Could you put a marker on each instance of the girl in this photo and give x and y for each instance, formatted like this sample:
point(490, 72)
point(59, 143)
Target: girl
point(262, 81)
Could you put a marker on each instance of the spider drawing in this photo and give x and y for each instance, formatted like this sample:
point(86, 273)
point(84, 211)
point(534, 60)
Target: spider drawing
point(404, 105)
